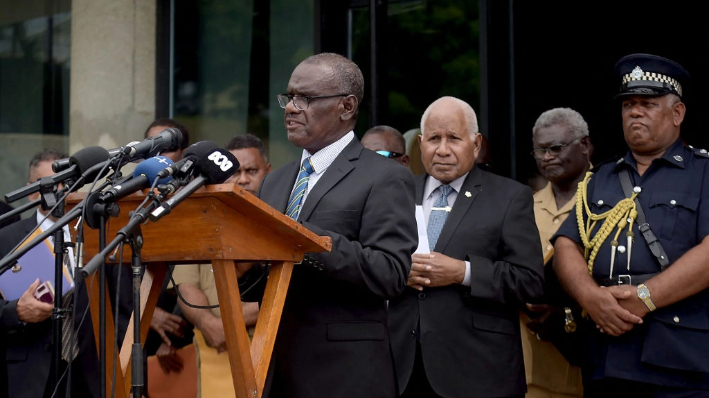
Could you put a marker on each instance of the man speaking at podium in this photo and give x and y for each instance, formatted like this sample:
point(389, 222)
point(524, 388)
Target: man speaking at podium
point(333, 340)
point(26, 325)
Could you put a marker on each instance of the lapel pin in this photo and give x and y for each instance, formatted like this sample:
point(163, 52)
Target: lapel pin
point(468, 194)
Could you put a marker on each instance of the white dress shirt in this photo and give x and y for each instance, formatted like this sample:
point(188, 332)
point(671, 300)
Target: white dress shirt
point(321, 160)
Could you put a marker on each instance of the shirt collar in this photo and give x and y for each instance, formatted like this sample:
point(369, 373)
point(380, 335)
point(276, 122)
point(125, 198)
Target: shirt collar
point(323, 158)
point(673, 156)
point(545, 196)
point(432, 184)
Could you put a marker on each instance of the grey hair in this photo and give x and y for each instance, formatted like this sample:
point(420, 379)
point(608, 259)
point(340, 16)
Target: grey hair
point(470, 117)
point(348, 76)
point(566, 117)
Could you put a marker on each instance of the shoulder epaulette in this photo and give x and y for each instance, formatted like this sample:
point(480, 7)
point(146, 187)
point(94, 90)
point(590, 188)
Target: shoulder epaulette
point(700, 153)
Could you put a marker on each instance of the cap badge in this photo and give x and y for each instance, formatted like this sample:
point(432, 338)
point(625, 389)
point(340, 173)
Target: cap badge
point(637, 73)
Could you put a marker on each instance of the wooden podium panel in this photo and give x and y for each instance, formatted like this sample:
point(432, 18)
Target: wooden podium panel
point(219, 224)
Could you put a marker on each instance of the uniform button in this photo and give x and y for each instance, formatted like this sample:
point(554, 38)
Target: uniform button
point(673, 202)
point(413, 334)
point(556, 221)
point(549, 247)
point(702, 151)
point(676, 319)
point(600, 202)
point(621, 249)
point(422, 296)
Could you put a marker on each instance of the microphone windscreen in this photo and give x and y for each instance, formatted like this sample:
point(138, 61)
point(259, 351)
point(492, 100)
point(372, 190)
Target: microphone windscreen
point(150, 168)
point(218, 165)
point(200, 149)
point(88, 157)
point(176, 138)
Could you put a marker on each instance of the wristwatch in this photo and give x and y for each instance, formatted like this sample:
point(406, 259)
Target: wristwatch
point(644, 295)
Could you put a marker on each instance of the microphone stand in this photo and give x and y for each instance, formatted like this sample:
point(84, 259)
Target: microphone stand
point(20, 209)
point(59, 313)
point(135, 239)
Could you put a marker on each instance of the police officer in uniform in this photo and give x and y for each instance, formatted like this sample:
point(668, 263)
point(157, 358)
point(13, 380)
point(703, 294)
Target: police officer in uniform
point(635, 252)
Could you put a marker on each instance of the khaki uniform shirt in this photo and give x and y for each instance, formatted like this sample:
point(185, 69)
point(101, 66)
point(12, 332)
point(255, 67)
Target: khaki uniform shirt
point(545, 366)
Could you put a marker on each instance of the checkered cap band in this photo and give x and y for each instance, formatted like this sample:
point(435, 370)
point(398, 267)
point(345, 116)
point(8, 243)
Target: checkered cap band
point(628, 79)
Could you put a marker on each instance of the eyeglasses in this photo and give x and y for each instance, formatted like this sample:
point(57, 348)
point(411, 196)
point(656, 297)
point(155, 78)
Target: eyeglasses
point(301, 102)
point(388, 154)
point(554, 150)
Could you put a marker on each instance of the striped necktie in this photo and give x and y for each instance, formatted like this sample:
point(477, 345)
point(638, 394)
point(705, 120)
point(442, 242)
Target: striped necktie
point(296, 197)
point(437, 218)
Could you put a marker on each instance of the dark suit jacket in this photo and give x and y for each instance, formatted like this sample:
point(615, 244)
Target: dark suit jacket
point(29, 347)
point(470, 337)
point(332, 340)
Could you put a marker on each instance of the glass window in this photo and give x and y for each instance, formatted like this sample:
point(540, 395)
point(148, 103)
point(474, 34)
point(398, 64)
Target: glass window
point(35, 49)
point(231, 59)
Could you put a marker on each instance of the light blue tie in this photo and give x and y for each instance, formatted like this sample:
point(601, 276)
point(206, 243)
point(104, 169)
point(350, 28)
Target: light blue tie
point(296, 197)
point(438, 216)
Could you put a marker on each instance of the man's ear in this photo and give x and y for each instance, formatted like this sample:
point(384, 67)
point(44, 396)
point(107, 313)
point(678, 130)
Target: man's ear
point(585, 145)
point(477, 145)
point(678, 112)
point(405, 160)
point(349, 107)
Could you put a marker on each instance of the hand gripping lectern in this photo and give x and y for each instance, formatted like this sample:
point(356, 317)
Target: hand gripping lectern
point(221, 224)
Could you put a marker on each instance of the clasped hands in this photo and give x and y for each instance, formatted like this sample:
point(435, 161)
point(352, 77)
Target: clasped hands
point(615, 309)
point(435, 269)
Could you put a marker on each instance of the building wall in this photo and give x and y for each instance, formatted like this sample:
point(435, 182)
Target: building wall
point(112, 73)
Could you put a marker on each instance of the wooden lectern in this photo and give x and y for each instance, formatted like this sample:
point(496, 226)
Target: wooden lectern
point(221, 224)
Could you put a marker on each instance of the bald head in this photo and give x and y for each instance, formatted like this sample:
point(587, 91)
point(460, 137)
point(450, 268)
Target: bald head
point(452, 105)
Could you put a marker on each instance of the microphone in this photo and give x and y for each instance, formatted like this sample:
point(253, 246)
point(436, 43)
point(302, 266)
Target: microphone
point(168, 140)
point(143, 177)
point(84, 161)
point(189, 157)
point(63, 164)
point(215, 168)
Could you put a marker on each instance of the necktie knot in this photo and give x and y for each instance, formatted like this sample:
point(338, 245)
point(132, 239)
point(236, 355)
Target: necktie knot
point(445, 190)
point(307, 166)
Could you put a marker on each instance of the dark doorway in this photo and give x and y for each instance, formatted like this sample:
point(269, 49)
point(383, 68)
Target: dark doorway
point(565, 53)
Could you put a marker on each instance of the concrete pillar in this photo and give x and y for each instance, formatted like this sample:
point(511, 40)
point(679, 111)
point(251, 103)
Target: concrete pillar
point(112, 97)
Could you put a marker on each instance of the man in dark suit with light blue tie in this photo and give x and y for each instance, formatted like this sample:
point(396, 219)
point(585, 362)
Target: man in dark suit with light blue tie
point(455, 330)
point(332, 340)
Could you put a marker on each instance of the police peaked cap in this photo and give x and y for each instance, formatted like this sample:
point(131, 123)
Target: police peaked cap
point(650, 75)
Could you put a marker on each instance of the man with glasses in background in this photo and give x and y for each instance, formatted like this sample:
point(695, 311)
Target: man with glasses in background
point(332, 340)
point(388, 142)
point(562, 150)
